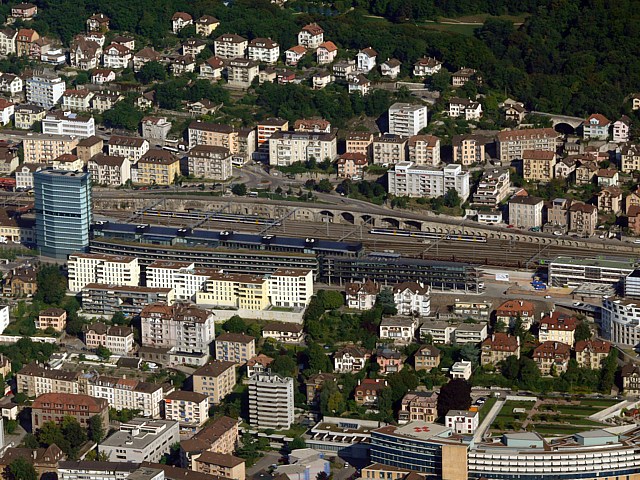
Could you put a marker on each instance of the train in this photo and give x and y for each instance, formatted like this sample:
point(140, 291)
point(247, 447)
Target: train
point(455, 237)
point(216, 217)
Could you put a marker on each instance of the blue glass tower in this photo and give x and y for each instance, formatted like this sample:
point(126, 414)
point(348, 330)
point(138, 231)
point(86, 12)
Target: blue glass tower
point(63, 212)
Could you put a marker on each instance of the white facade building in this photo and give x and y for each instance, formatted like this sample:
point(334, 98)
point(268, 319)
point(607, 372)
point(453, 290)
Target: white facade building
point(4, 317)
point(141, 440)
point(412, 298)
point(45, 90)
point(128, 394)
point(184, 278)
point(406, 119)
point(68, 123)
point(461, 370)
point(462, 422)
point(406, 179)
point(286, 148)
point(86, 268)
point(271, 401)
point(291, 288)
point(263, 50)
point(621, 321)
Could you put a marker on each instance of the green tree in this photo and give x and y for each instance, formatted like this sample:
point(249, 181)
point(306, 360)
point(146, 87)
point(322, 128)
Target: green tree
point(103, 353)
point(471, 353)
point(451, 198)
point(96, 429)
point(386, 301)
point(330, 299)
point(455, 395)
point(123, 114)
point(152, 72)
point(235, 324)
point(11, 426)
point(284, 365)
point(52, 286)
point(239, 189)
point(583, 331)
point(50, 433)
point(119, 318)
point(21, 469)
point(317, 359)
point(324, 186)
point(297, 443)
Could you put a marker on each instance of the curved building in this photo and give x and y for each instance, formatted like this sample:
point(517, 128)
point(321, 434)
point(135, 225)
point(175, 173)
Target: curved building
point(620, 321)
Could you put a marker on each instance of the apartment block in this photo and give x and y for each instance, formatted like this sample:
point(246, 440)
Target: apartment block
point(412, 298)
point(182, 277)
point(215, 380)
point(221, 435)
point(55, 407)
point(55, 318)
point(128, 393)
point(88, 147)
point(359, 142)
point(35, 380)
point(241, 72)
point(187, 330)
point(104, 299)
point(205, 133)
point(558, 327)
point(424, 150)
point(538, 165)
point(499, 347)
point(86, 268)
point(45, 90)
point(291, 288)
point(220, 464)
point(513, 143)
point(418, 407)
point(407, 179)
point(389, 149)
point(493, 188)
point(230, 46)
point(118, 339)
point(156, 167)
point(189, 409)
point(141, 440)
point(40, 148)
point(235, 347)
point(525, 212)
point(552, 356)
point(591, 353)
point(407, 119)
point(132, 148)
point(286, 148)
point(241, 291)
point(426, 358)
point(263, 50)
point(109, 170)
point(210, 162)
point(271, 401)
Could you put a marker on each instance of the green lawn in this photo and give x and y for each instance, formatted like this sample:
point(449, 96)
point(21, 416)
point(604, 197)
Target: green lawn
point(486, 408)
point(599, 402)
point(467, 30)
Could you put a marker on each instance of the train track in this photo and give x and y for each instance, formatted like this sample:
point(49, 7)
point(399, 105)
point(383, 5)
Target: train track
point(491, 252)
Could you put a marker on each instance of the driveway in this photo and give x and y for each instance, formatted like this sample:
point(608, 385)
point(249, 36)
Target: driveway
point(263, 463)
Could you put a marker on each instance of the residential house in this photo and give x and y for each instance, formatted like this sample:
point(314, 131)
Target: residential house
point(630, 158)
point(583, 219)
point(350, 359)
point(565, 167)
point(630, 374)
point(193, 47)
point(88, 147)
point(326, 53)
point(361, 296)
point(596, 127)
point(525, 212)
point(312, 125)
point(390, 68)
point(513, 311)
point(116, 56)
point(621, 129)
point(558, 327)
point(202, 107)
point(263, 50)
point(54, 318)
point(211, 69)
point(258, 364)
point(591, 353)
point(206, 24)
point(344, 69)
point(359, 83)
point(426, 66)
point(24, 11)
point(241, 72)
point(607, 177)
point(389, 360)
point(499, 347)
point(100, 76)
point(84, 54)
point(183, 64)
point(179, 20)
point(465, 75)
point(116, 338)
point(468, 149)
point(412, 298)
point(24, 175)
point(610, 200)
point(235, 347)
point(143, 57)
point(8, 39)
point(156, 167)
point(514, 111)
point(9, 159)
point(294, 54)
point(230, 46)
point(586, 172)
point(98, 22)
point(320, 80)
point(633, 219)
point(11, 84)
point(367, 391)
point(424, 150)
point(632, 199)
point(132, 148)
point(6, 112)
point(311, 36)
point(462, 422)
point(552, 357)
point(284, 332)
point(352, 165)
point(24, 41)
point(465, 108)
point(538, 165)
point(20, 282)
point(461, 370)
point(401, 330)
point(77, 100)
point(215, 379)
point(426, 357)
point(418, 407)
point(109, 170)
point(366, 59)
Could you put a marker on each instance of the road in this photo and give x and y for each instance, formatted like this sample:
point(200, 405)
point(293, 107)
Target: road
point(263, 463)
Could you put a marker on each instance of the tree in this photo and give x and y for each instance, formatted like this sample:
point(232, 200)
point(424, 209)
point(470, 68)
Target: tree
point(455, 395)
point(451, 198)
point(284, 365)
point(52, 286)
point(297, 443)
point(317, 359)
point(471, 353)
point(123, 114)
point(103, 353)
point(583, 331)
point(21, 469)
point(51, 433)
point(511, 368)
point(330, 299)
point(96, 429)
point(386, 301)
point(74, 433)
point(324, 186)
point(152, 71)
point(119, 318)
point(239, 189)
point(235, 324)
point(500, 326)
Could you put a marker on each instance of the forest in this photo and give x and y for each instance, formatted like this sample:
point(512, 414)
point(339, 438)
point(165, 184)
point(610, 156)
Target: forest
point(569, 56)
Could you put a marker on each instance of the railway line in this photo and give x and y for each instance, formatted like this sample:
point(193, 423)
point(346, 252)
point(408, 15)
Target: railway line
point(467, 248)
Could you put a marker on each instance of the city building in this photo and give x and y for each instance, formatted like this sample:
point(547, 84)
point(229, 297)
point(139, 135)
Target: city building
point(189, 409)
point(462, 422)
point(63, 212)
point(221, 465)
point(210, 162)
point(498, 347)
point(574, 271)
point(426, 66)
point(350, 359)
point(230, 46)
point(465, 108)
point(525, 212)
point(55, 407)
point(215, 379)
point(206, 24)
point(407, 179)
point(271, 401)
point(630, 374)
point(359, 142)
point(286, 148)
point(352, 164)
point(141, 440)
point(407, 119)
point(412, 299)
point(361, 296)
point(512, 143)
point(389, 149)
point(54, 318)
point(235, 347)
point(311, 36)
point(591, 353)
point(109, 170)
point(118, 339)
point(39, 148)
point(367, 391)
point(44, 90)
point(494, 187)
point(424, 150)
point(401, 330)
point(514, 311)
point(552, 357)
point(558, 327)
point(461, 370)
point(291, 287)
point(25, 116)
point(221, 435)
point(632, 284)
point(538, 165)
point(426, 357)
point(596, 127)
point(292, 333)
point(241, 72)
point(132, 148)
point(620, 321)
point(86, 268)
point(89, 147)
point(186, 330)
point(104, 299)
point(468, 149)
point(155, 129)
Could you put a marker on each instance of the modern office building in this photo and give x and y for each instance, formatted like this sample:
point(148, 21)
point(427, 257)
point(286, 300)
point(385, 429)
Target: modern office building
point(68, 123)
point(620, 321)
point(406, 119)
point(573, 271)
point(407, 179)
point(63, 212)
point(632, 285)
point(270, 401)
point(141, 440)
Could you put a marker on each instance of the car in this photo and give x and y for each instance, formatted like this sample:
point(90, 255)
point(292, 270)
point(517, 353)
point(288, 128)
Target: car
point(510, 226)
point(547, 296)
point(557, 234)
